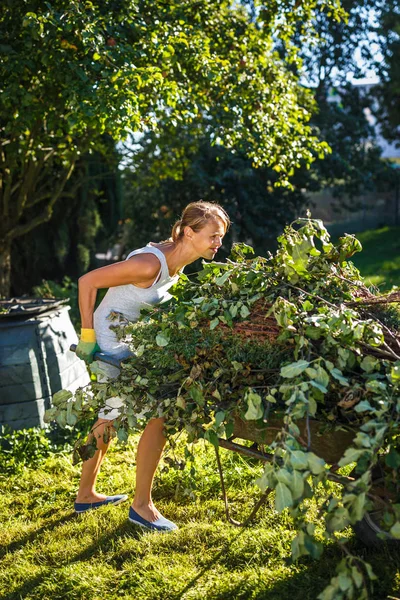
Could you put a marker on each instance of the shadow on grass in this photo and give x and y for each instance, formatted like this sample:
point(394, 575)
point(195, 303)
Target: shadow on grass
point(243, 591)
point(30, 537)
point(99, 546)
point(313, 577)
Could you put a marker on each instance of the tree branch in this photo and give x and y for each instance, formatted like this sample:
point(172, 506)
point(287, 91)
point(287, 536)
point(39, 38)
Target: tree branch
point(27, 184)
point(45, 215)
point(71, 193)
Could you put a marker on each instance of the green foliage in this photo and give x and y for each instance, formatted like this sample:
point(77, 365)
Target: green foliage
point(29, 448)
point(23, 448)
point(350, 581)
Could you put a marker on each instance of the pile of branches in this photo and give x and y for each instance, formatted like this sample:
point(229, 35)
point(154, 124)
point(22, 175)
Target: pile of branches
point(296, 336)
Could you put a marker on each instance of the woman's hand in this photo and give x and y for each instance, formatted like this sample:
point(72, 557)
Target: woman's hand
point(87, 350)
point(87, 346)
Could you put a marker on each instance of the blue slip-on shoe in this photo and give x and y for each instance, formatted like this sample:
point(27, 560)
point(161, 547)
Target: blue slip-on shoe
point(162, 524)
point(81, 507)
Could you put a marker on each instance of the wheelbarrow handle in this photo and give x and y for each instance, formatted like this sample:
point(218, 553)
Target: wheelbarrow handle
point(106, 358)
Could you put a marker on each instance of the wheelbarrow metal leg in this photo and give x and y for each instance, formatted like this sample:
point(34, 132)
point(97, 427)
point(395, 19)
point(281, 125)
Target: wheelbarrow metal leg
point(257, 506)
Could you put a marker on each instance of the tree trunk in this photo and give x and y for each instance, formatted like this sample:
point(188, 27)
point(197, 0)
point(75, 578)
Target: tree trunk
point(5, 270)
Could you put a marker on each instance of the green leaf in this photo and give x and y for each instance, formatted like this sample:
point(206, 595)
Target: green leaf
point(358, 507)
point(294, 369)
point(61, 419)
point(299, 460)
point(71, 418)
point(122, 435)
point(307, 306)
point(197, 395)
point(363, 406)
point(312, 406)
point(313, 547)
point(212, 437)
point(322, 377)
point(162, 339)
point(376, 386)
point(254, 407)
point(297, 485)
point(297, 546)
point(395, 531)
point(315, 463)
point(357, 577)
point(283, 497)
point(219, 417)
point(345, 582)
point(61, 397)
point(284, 476)
point(350, 455)
point(312, 373)
point(338, 375)
point(244, 312)
point(395, 373)
point(229, 427)
point(392, 459)
point(214, 323)
point(221, 280)
point(369, 364)
point(318, 386)
point(237, 365)
point(338, 519)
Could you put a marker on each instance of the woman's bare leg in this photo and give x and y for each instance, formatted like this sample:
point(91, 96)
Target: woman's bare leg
point(148, 456)
point(91, 467)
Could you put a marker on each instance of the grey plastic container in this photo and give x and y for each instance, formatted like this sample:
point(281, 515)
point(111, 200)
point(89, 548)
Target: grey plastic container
point(35, 362)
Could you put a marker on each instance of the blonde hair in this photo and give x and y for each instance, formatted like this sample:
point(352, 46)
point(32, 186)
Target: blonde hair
point(196, 215)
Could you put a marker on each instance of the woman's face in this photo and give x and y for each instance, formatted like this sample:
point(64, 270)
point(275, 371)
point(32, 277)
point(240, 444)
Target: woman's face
point(208, 240)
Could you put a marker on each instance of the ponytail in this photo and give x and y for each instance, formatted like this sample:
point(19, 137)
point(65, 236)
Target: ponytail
point(177, 231)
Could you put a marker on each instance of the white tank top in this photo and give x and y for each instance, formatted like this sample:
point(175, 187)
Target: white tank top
point(127, 301)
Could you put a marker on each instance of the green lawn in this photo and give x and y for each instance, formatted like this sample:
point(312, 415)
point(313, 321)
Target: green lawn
point(379, 260)
point(49, 553)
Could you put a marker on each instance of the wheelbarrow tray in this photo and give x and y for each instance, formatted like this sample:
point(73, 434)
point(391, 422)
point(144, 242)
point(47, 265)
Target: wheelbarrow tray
point(327, 442)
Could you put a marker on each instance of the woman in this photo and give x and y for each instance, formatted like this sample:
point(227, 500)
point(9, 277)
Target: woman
point(142, 279)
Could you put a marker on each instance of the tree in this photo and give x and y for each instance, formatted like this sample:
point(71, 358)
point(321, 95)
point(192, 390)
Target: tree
point(71, 72)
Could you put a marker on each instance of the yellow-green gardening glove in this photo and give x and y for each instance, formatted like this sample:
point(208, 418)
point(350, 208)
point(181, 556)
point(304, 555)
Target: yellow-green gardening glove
point(87, 347)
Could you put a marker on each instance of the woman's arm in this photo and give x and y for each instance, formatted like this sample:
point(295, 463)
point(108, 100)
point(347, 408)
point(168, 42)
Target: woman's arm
point(141, 269)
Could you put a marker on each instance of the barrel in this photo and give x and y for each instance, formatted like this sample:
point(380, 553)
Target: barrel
point(35, 360)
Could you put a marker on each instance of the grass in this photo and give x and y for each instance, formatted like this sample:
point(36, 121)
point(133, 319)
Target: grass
point(379, 261)
point(49, 553)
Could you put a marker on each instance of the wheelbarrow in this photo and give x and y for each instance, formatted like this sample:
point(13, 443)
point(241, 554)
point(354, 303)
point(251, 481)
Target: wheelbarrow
point(327, 444)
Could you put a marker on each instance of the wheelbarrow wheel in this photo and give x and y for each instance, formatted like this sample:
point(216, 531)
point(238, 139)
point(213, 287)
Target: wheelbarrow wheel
point(370, 530)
